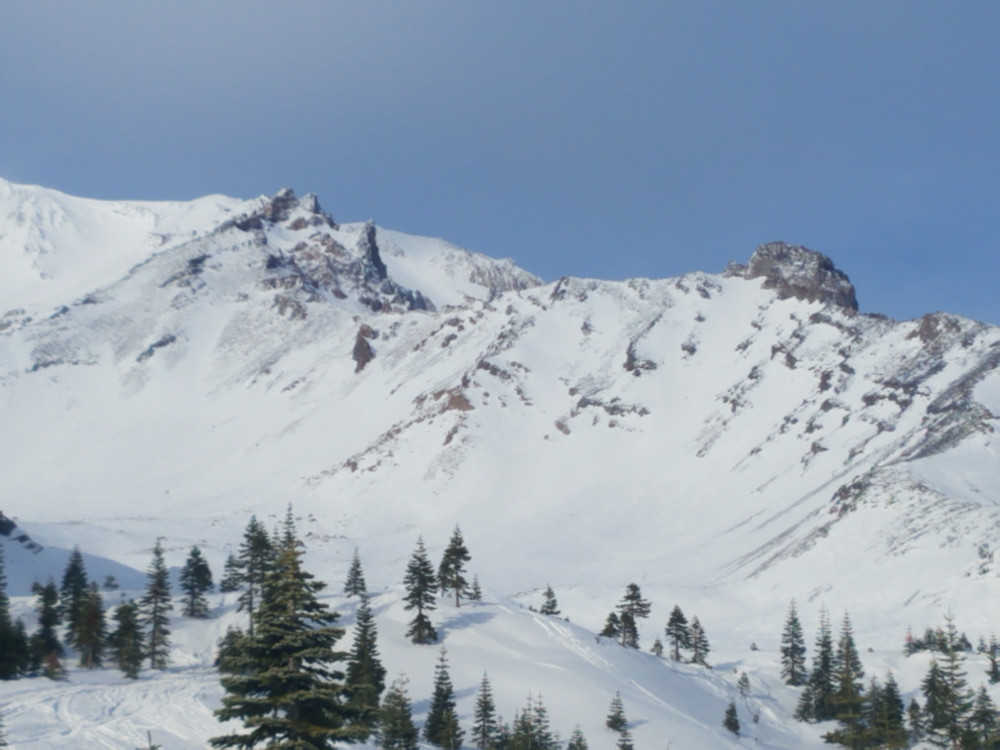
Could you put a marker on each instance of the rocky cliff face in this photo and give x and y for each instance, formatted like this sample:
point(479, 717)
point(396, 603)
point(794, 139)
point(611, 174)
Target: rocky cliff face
point(796, 271)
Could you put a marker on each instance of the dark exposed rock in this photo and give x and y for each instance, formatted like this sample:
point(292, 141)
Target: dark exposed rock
point(363, 352)
point(796, 271)
point(159, 344)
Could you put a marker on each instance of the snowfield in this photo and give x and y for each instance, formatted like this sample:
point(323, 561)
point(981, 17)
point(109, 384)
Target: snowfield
point(168, 370)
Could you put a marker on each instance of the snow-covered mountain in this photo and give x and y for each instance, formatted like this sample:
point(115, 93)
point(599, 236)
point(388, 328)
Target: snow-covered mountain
point(728, 441)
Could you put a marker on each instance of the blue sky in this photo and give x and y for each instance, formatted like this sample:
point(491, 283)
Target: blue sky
point(610, 139)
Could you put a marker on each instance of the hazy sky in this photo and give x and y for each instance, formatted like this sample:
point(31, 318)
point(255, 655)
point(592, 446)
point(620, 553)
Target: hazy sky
point(609, 139)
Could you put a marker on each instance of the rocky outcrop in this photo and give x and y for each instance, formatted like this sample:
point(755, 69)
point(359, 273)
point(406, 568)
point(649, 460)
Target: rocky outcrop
point(796, 271)
point(363, 352)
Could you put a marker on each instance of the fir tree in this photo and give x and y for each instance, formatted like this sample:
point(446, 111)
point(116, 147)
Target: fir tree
point(91, 632)
point(633, 608)
point(46, 650)
point(550, 606)
point(848, 698)
point(624, 740)
point(289, 694)
point(993, 655)
point(699, 644)
point(254, 559)
point(231, 655)
point(657, 648)
point(451, 571)
point(232, 576)
point(793, 650)
point(396, 730)
point(915, 720)
point(441, 727)
point(14, 652)
point(73, 592)
point(883, 715)
point(612, 626)
point(485, 726)
point(821, 683)
point(196, 580)
point(126, 640)
point(365, 678)
point(153, 608)
point(616, 720)
point(731, 720)
point(949, 701)
point(577, 741)
point(743, 684)
point(420, 585)
point(678, 632)
point(355, 583)
point(475, 593)
point(982, 727)
point(531, 729)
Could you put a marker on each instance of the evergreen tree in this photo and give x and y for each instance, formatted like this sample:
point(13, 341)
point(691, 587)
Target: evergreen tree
point(451, 571)
point(396, 729)
point(73, 592)
point(110, 583)
point(91, 632)
point(743, 684)
point(289, 694)
point(731, 720)
point(232, 576)
point(993, 655)
point(950, 700)
point(254, 559)
point(678, 632)
point(355, 583)
point(441, 727)
point(126, 641)
point(848, 698)
point(485, 726)
point(420, 585)
point(46, 650)
point(793, 650)
point(231, 657)
point(616, 720)
point(196, 580)
point(365, 678)
point(475, 593)
point(624, 740)
point(153, 608)
point(883, 715)
point(577, 741)
point(531, 729)
point(633, 608)
point(657, 647)
point(14, 652)
point(821, 682)
point(699, 644)
point(915, 719)
point(982, 730)
point(550, 606)
point(612, 626)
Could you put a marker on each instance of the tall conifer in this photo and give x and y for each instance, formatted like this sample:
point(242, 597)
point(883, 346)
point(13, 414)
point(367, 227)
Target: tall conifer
point(451, 571)
point(396, 730)
point(793, 650)
point(355, 583)
point(421, 584)
point(441, 728)
point(153, 607)
point(365, 677)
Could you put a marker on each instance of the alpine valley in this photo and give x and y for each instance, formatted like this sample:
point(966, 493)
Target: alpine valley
point(728, 441)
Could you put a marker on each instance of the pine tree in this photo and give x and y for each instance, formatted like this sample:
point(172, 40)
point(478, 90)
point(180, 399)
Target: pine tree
point(577, 741)
point(254, 559)
point(616, 720)
point(633, 608)
point(982, 727)
point(153, 608)
point(915, 719)
point(993, 655)
point(612, 626)
point(46, 650)
point(743, 684)
point(232, 576)
point(73, 592)
point(550, 606)
point(15, 657)
point(126, 641)
point(485, 726)
point(699, 644)
point(793, 650)
point(952, 699)
point(884, 715)
point(396, 730)
point(420, 585)
point(196, 580)
point(289, 694)
point(820, 683)
point(451, 571)
point(531, 729)
point(848, 698)
point(731, 720)
point(355, 583)
point(657, 648)
point(91, 633)
point(365, 677)
point(441, 727)
point(475, 593)
point(624, 740)
point(678, 632)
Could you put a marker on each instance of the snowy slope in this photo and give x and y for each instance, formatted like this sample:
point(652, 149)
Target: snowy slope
point(728, 441)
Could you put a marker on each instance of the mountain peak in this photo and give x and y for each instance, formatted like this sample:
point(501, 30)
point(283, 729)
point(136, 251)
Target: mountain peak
point(797, 271)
